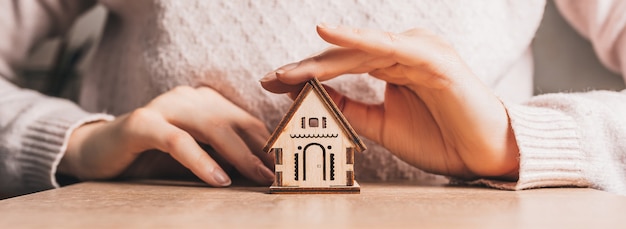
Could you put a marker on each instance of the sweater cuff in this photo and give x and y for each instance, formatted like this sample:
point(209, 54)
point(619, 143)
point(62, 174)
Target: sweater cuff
point(550, 153)
point(45, 143)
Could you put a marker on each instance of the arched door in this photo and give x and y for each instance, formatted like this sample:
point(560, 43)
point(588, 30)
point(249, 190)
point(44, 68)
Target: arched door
point(314, 163)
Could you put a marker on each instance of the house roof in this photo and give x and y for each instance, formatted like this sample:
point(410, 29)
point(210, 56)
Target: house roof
point(317, 87)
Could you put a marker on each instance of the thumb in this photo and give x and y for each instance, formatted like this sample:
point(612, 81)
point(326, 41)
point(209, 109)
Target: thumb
point(366, 119)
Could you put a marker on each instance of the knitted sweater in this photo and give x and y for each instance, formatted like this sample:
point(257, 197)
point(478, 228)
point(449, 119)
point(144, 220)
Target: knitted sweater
point(150, 46)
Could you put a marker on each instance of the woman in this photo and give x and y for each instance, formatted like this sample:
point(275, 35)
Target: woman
point(220, 49)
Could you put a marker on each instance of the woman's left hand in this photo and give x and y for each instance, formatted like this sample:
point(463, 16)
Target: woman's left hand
point(436, 115)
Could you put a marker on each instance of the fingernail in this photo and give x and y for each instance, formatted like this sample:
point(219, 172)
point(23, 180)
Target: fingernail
point(221, 178)
point(269, 76)
point(266, 173)
point(328, 26)
point(286, 68)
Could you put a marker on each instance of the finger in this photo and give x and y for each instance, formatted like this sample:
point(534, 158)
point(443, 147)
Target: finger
point(234, 149)
point(421, 50)
point(403, 75)
point(255, 134)
point(389, 76)
point(216, 129)
point(271, 83)
point(327, 65)
point(366, 119)
point(185, 150)
point(378, 43)
point(411, 76)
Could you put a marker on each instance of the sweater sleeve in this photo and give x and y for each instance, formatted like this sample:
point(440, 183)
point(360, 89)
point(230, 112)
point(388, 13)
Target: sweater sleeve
point(34, 129)
point(570, 140)
point(577, 139)
point(34, 132)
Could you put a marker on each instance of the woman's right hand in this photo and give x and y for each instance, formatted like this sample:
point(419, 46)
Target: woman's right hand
point(436, 115)
point(174, 123)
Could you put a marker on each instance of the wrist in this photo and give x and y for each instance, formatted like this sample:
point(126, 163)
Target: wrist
point(70, 163)
point(480, 125)
point(512, 155)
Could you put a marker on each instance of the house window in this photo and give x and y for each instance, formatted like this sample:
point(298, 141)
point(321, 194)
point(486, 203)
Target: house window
point(314, 122)
point(349, 178)
point(302, 122)
point(279, 178)
point(278, 157)
point(323, 122)
point(349, 155)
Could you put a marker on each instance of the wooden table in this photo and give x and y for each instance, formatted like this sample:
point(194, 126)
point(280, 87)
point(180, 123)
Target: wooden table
point(386, 205)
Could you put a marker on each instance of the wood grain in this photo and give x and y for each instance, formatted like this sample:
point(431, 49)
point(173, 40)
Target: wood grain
point(380, 205)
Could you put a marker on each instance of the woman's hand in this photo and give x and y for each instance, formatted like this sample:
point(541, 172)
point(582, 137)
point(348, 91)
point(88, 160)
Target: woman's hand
point(174, 123)
point(436, 115)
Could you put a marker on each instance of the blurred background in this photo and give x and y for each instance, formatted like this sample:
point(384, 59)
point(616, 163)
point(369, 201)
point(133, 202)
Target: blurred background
point(564, 61)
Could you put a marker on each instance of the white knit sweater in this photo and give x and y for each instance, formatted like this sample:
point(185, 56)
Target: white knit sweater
point(150, 46)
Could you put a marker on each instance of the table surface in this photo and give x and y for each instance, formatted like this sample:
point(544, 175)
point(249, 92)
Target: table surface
point(192, 205)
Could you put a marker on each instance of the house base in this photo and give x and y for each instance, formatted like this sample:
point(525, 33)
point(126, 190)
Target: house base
point(354, 189)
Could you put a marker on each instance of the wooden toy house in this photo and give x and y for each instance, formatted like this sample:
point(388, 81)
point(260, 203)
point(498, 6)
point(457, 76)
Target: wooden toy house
point(314, 146)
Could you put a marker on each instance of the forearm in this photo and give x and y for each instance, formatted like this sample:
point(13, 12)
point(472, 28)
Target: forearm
point(34, 131)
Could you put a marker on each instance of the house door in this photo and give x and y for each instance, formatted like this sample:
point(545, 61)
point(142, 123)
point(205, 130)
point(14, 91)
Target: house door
point(314, 164)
